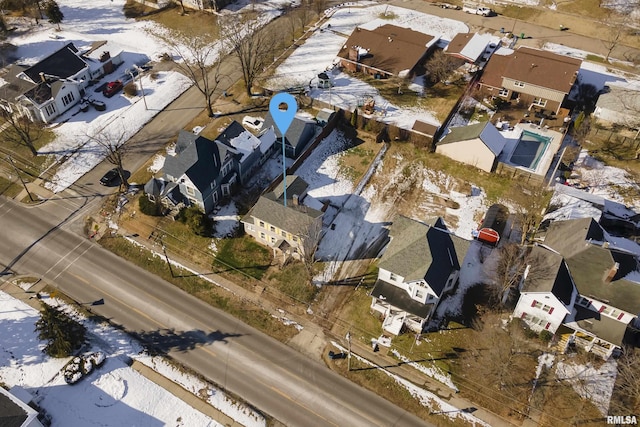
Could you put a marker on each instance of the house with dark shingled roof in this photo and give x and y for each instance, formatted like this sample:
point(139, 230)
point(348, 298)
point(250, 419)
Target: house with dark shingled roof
point(420, 265)
point(583, 286)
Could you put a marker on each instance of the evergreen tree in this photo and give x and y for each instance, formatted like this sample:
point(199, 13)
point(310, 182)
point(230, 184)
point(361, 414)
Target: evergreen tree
point(52, 10)
point(354, 118)
point(62, 333)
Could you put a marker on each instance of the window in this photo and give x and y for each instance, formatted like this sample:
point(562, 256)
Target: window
point(190, 191)
point(273, 240)
point(50, 109)
point(284, 234)
point(393, 277)
point(419, 293)
point(503, 92)
point(214, 196)
point(548, 309)
point(272, 229)
point(263, 236)
point(539, 102)
point(519, 84)
point(536, 304)
point(262, 224)
point(67, 99)
point(295, 238)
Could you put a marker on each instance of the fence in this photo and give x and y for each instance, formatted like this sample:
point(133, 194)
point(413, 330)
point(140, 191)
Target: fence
point(519, 174)
point(326, 130)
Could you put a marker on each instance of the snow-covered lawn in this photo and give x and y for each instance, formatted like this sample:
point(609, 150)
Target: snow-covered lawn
point(140, 41)
point(319, 53)
point(113, 394)
point(595, 384)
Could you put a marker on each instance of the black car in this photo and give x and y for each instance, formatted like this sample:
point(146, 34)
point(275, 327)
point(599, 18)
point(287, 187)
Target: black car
point(333, 355)
point(109, 177)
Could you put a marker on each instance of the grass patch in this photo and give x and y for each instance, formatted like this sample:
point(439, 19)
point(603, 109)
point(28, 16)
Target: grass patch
point(587, 8)
point(520, 13)
point(294, 280)
point(200, 288)
point(9, 188)
point(595, 58)
point(243, 255)
point(362, 322)
point(355, 161)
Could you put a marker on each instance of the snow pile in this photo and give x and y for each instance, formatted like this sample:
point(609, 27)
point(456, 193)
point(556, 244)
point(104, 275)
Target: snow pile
point(432, 371)
point(226, 220)
point(545, 361)
point(595, 384)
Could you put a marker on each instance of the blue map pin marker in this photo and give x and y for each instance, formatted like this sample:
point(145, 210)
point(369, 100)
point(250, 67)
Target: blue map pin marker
point(283, 118)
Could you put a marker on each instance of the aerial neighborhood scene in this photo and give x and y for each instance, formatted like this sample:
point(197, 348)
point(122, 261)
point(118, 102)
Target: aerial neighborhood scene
point(314, 213)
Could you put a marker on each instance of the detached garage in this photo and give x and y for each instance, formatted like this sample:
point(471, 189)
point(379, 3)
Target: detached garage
point(478, 145)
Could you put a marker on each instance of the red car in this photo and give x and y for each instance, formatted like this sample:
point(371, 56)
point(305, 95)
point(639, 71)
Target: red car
point(112, 88)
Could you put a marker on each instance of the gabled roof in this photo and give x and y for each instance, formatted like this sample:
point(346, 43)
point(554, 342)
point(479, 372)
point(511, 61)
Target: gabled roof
point(197, 157)
point(591, 259)
point(622, 98)
point(239, 139)
point(14, 86)
point(62, 64)
point(299, 132)
point(425, 128)
point(469, 46)
point(603, 327)
point(534, 66)
point(420, 251)
point(485, 131)
point(14, 412)
point(495, 68)
point(389, 48)
point(295, 185)
point(549, 273)
point(294, 218)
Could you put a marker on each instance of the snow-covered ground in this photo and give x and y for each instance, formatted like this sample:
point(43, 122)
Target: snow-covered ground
point(140, 41)
point(112, 395)
point(595, 384)
point(319, 53)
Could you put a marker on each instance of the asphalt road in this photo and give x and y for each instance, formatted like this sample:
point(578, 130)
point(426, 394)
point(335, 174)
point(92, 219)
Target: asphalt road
point(273, 377)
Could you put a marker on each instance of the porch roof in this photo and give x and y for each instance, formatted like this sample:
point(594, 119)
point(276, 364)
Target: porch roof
point(399, 298)
point(598, 324)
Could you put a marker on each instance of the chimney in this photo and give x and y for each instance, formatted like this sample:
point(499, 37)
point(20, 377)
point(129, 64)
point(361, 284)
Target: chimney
point(612, 273)
point(296, 200)
point(42, 77)
point(105, 56)
point(605, 245)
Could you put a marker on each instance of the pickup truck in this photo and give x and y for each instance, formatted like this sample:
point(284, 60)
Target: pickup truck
point(477, 10)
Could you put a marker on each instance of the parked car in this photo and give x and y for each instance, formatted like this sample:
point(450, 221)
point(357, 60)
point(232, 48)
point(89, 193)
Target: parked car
point(253, 123)
point(109, 177)
point(447, 5)
point(112, 88)
point(333, 355)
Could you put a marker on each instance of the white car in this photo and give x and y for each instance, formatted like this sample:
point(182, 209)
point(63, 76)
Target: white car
point(253, 123)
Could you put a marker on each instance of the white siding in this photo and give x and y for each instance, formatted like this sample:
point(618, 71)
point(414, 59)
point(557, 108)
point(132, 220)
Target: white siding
point(541, 311)
point(472, 152)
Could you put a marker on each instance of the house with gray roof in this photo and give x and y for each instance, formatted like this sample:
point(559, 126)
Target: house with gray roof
point(605, 273)
point(420, 265)
point(298, 136)
point(291, 229)
point(478, 145)
point(16, 413)
point(55, 84)
point(202, 172)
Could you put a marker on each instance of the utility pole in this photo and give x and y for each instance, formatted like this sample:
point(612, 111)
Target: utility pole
point(166, 257)
point(141, 88)
point(349, 356)
point(20, 178)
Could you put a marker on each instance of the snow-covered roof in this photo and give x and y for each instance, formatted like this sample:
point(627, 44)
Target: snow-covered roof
point(246, 143)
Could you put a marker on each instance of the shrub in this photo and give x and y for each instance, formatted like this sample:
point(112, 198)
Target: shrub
point(197, 221)
point(545, 336)
point(130, 89)
point(149, 207)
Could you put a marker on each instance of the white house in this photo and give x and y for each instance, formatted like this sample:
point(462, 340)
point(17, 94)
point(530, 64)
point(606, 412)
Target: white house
point(420, 265)
point(603, 276)
point(16, 412)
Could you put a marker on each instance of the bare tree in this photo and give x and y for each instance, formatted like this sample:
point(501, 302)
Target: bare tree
point(200, 62)
point(530, 204)
point(440, 66)
point(310, 237)
point(113, 148)
point(617, 23)
point(251, 44)
point(21, 130)
point(507, 272)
